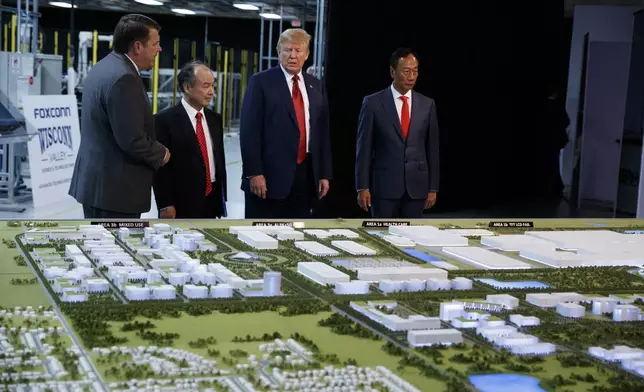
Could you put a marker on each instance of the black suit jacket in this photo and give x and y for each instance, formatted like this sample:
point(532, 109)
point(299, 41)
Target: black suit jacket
point(182, 182)
point(118, 153)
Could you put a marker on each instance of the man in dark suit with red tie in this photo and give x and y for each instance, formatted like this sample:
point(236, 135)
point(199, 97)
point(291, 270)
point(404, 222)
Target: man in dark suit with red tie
point(194, 184)
point(397, 148)
point(284, 136)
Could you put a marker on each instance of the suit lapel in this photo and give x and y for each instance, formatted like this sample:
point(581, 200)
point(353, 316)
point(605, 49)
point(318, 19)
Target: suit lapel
point(186, 126)
point(416, 114)
point(313, 95)
point(390, 108)
point(285, 93)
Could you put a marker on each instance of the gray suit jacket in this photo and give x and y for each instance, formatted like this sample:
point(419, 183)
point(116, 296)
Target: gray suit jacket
point(118, 153)
point(388, 165)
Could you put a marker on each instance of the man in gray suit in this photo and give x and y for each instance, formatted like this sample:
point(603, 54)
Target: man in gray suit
point(118, 153)
point(397, 148)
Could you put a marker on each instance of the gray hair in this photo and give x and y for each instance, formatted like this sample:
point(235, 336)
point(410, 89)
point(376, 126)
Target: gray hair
point(186, 76)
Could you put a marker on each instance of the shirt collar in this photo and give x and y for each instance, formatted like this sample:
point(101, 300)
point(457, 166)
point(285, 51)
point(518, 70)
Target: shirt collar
point(192, 112)
point(289, 76)
point(398, 95)
point(133, 63)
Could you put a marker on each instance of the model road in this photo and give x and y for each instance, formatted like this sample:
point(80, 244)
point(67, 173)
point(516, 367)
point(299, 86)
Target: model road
point(62, 319)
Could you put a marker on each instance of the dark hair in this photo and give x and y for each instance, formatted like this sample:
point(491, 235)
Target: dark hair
point(187, 74)
point(398, 54)
point(132, 28)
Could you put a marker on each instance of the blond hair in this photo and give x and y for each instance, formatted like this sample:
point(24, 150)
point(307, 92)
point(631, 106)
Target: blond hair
point(293, 36)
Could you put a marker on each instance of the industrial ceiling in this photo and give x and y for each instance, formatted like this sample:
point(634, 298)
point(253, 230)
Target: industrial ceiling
point(291, 9)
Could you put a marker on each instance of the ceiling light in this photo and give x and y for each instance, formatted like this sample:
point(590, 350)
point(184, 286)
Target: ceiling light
point(270, 15)
point(61, 4)
point(183, 11)
point(246, 7)
point(149, 2)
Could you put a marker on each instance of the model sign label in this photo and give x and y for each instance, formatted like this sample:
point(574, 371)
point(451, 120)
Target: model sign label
point(383, 224)
point(511, 224)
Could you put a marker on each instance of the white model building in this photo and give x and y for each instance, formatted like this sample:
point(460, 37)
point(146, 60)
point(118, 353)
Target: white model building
point(430, 337)
point(221, 291)
point(204, 277)
point(178, 278)
point(481, 257)
point(618, 353)
point(534, 349)
point(137, 293)
point(428, 236)
point(391, 286)
point(164, 292)
point(627, 313)
point(353, 248)
point(344, 233)
point(96, 285)
point(506, 300)
point(399, 241)
point(604, 305)
point(461, 284)
point(394, 322)
point(319, 233)
point(400, 273)
point(272, 283)
point(524, 321)
point(290, 235)
point(451, 310)
point(439, 284)
point(351, 288)
point(193, 292)
point(415, 285)
point(542, 300)
point(73, 250)
point(316, 249)
point(322, 273)
point(569, 309)
point(257, 239)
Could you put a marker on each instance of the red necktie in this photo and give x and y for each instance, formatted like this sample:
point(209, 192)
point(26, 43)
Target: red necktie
point(404, 116)
point(298, 102)
point(201, 137)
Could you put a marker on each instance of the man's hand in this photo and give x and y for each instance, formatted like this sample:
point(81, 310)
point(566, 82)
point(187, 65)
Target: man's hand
point(323, 188)
point(258, 186)
point(168, 213)
point(166, 158)
point(364, 199)
point(431, 200)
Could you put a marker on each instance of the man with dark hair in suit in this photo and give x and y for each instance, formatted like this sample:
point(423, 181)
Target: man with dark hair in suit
point(193, 184)
point(284, 136)
point(397, 148)
point(119, 153)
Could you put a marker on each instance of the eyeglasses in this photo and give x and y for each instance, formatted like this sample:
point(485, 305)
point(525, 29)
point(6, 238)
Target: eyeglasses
point(409, 72)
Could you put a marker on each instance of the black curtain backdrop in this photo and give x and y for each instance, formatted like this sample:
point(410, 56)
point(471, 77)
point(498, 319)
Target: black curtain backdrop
point(485, 63)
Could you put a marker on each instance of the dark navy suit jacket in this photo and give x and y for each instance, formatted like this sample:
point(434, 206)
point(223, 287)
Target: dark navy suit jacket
point(269, 133)
point(388, 165)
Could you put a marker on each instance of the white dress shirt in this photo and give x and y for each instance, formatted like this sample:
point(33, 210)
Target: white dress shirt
point(133, 63)
point(301, 83)
point(192, 113)
point(399, 102)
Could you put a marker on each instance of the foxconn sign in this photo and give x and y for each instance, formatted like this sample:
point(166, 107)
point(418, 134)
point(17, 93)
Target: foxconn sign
point(52, 120)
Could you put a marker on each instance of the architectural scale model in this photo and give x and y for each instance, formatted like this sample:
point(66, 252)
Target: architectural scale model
point(322, 306)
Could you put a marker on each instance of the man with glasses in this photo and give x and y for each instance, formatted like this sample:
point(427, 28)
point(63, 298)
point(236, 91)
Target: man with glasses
point(397, 151)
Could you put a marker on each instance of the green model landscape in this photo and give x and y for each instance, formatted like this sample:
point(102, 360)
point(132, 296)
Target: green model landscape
point(231, 336)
